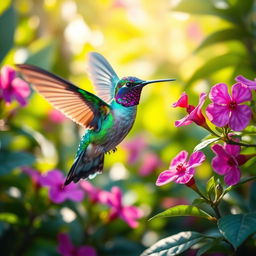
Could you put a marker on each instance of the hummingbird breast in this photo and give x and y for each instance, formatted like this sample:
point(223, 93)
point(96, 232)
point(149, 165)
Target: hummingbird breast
point(114, 128)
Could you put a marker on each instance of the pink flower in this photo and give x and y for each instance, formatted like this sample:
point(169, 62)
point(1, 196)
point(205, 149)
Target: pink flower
point(56, 116)
point(194, 112)
point(150, 163)
point(226, 109)
point(227, 162)
point(93, 192)
point(12, 87)
point(181, 171)
point(66, 248)
point(129, 214)
point(134, 148)
point(59, 193)
point(250, 83)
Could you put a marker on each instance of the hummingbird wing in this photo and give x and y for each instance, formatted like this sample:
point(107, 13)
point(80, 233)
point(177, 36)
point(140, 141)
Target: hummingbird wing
point(79, 105)
point(103, 76)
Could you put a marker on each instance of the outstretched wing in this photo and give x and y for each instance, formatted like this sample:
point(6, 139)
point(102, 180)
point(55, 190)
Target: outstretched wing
point(79, 105)
point(103, 76)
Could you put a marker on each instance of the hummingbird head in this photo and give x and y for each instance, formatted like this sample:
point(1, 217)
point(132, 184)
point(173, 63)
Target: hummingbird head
point(128, 90)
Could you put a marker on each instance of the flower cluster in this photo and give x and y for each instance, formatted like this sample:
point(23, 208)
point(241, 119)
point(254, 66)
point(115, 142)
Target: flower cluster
point(229, 113)
point(113, 199)
point(58, 193)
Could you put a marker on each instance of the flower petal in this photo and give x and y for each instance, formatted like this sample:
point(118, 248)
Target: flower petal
point(251, 84)
point(240, 117)
point(182, 101)
point(196, 159)
point(166, 177)
point(184, 121)
point(86, 251)
point(219, 94)
point(7, 75)
point(52, 178)
point(179, 158)
point(185, 178)
point(233, 176)
point(218, 115)
point(233, 150)
point(57, 195)
point(75, 195)
point(65, 246)
point(130, 214)
point(241, 93)
point(20, 90)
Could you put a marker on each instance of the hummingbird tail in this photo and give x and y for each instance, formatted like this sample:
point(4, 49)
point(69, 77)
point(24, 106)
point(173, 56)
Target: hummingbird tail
point(85, 167)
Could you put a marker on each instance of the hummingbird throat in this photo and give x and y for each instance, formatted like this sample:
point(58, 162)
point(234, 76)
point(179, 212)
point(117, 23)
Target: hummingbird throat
point(128, 97)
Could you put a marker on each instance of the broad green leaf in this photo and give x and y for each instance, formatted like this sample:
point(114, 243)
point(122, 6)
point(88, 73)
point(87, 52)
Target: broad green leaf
point(206, 8)
point(174, 245)
point(199, 201)
point(7, 28)
point(44, 57)
point(213, 65)
point(4, 5)
point(204, 144)
point(222, 36)
point(184, 210)
point(10, 160)
point(252, 197)
point(237, 228)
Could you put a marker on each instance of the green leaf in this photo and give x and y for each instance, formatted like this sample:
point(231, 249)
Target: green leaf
point(237, 228)
point(213, 65)
point(204, 144)
point(174, 245)
point(4, 5)
point(184, 210)
point(199, 201)
point(7, 28)
point(206, 8)
point(223, 36)
point(44, 57)
point(10, 160)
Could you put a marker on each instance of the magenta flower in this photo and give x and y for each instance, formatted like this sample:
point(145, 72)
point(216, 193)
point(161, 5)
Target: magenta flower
point(66, 248)
point(93, 193)
point(181, 171)
point(129, 214)
point(227, 162)
point(150, 163)
point(59, 193)
point(194, 112)
point(250, 83)
point(226, 109)
point(134, 148)
point(12, 87)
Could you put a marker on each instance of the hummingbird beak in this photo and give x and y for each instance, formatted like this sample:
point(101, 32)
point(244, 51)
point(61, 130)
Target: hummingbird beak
point(155, 81)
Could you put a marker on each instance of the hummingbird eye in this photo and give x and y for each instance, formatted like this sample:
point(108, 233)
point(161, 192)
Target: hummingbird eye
point(128, 84)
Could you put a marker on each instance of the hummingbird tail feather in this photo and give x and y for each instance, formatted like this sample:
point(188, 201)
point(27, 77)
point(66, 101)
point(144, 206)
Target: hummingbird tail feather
point(85, 167)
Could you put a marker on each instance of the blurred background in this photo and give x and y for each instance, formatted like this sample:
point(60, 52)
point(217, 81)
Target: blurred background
point(200, 43)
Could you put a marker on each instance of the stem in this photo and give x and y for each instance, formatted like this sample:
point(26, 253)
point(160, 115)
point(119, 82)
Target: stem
point(240, 143)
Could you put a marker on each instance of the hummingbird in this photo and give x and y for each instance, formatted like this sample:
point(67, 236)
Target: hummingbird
point(108, 116)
